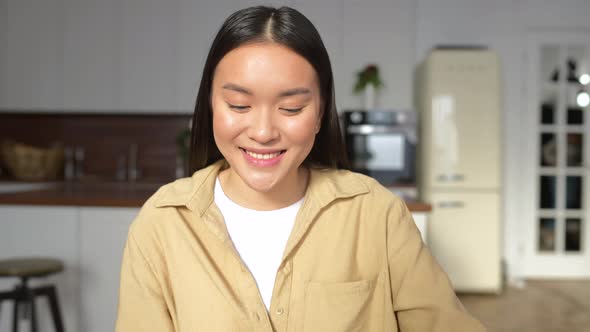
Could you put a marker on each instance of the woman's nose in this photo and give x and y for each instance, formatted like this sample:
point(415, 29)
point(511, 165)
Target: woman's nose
point(262, 128)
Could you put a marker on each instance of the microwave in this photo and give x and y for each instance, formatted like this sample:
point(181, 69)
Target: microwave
point(382, 144)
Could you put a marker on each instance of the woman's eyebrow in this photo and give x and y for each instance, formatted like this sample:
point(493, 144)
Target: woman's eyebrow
point(237, 88)
point(295, 91)
point(286, 93)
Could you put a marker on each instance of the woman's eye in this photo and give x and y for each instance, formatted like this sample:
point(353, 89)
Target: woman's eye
point(238, 107)
point(292, 110)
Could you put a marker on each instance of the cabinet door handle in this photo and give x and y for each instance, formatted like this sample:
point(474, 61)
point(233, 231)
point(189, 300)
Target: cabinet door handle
point(450, 177)
point(451, 204)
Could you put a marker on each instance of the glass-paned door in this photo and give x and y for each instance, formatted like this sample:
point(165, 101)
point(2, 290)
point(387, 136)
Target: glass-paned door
point(558, 235)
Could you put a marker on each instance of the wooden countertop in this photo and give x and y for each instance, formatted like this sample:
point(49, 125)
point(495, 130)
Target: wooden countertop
point(418, 206)
point(85, 194)
point(108, 195)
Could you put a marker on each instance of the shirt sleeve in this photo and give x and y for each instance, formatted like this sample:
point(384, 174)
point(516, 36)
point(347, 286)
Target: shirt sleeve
point(141, 303)
point(422, 294)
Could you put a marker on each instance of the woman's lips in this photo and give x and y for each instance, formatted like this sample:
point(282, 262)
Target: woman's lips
point(264, 159)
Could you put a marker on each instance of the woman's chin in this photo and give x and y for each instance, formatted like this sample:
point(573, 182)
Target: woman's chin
point(261, 185)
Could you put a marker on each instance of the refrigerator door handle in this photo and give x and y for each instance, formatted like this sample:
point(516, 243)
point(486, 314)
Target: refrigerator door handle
point(451, 177)
point(451, 204)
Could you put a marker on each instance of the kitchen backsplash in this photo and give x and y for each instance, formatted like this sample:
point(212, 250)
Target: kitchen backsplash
point(106, 142)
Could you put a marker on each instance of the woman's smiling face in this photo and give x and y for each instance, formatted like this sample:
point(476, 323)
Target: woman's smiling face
point(266, 112)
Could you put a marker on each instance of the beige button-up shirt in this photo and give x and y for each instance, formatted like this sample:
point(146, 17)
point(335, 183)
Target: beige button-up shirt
point(354, 261)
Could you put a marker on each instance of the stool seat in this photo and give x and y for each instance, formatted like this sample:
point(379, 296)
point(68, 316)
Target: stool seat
point(30, 267)
point(23, 296)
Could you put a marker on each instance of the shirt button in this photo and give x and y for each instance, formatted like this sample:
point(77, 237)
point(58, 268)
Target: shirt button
point(280, 311)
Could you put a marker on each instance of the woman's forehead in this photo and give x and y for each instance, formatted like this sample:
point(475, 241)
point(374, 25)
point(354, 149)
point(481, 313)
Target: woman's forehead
point(264, 66)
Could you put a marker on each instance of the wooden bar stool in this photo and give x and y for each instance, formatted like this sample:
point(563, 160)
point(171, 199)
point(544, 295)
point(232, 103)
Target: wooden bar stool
point(23, 296)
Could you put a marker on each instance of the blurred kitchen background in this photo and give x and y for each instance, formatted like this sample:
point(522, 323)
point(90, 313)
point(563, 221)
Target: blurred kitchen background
point(480, 125)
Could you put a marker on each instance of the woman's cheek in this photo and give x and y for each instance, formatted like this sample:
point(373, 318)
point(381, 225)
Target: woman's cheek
point(302, 129)
point(223, 119)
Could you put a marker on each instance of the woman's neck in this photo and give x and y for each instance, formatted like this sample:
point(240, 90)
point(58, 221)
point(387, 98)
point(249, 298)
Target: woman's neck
point(281, 195)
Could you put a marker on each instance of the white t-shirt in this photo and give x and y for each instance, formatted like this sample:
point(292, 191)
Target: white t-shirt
point(260, 237)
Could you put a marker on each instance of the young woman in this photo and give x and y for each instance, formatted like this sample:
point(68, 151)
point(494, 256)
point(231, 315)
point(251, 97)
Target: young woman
point(271, 232)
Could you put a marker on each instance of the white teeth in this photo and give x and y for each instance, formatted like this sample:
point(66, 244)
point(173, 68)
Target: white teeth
point(263, 156)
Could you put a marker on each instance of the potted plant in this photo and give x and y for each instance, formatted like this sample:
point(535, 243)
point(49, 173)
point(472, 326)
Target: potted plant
point(368, 82)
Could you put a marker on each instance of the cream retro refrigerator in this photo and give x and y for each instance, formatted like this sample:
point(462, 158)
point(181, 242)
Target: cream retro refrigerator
point(459, 99)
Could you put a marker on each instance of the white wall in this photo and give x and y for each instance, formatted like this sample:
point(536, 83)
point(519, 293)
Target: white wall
point(30, 53)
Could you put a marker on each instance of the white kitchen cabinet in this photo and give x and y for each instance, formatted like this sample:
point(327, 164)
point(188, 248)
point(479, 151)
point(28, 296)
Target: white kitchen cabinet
point(103, 232)
point(46, 232)
point(421, 221)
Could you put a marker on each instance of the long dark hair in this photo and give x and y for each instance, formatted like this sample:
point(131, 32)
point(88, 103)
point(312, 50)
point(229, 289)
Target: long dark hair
point(288, 27)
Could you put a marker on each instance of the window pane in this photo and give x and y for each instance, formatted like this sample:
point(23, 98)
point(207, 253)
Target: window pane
point(573, 192)
point(548, 150)
point(574, 150)
point(549, 83)
point(547, 234)
point(548, 112)
point(573, 231)
point(547, 192)
point(575, 115)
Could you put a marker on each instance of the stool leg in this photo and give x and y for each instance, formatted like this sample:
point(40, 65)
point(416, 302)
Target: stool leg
point(15, 316)
point(33, 314)
point(28, 303)
point(51, 294)
point(55, 312)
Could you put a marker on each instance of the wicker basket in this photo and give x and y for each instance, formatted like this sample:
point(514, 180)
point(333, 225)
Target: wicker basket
point(31, 163)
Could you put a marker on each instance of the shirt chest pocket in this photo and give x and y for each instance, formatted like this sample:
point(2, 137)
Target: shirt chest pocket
point(337, 306)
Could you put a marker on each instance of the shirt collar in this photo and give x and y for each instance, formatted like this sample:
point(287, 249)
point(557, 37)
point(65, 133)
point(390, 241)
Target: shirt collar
point(197, 192)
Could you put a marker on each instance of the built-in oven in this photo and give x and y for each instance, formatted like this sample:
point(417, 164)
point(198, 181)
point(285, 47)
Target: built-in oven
point(382, 144)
